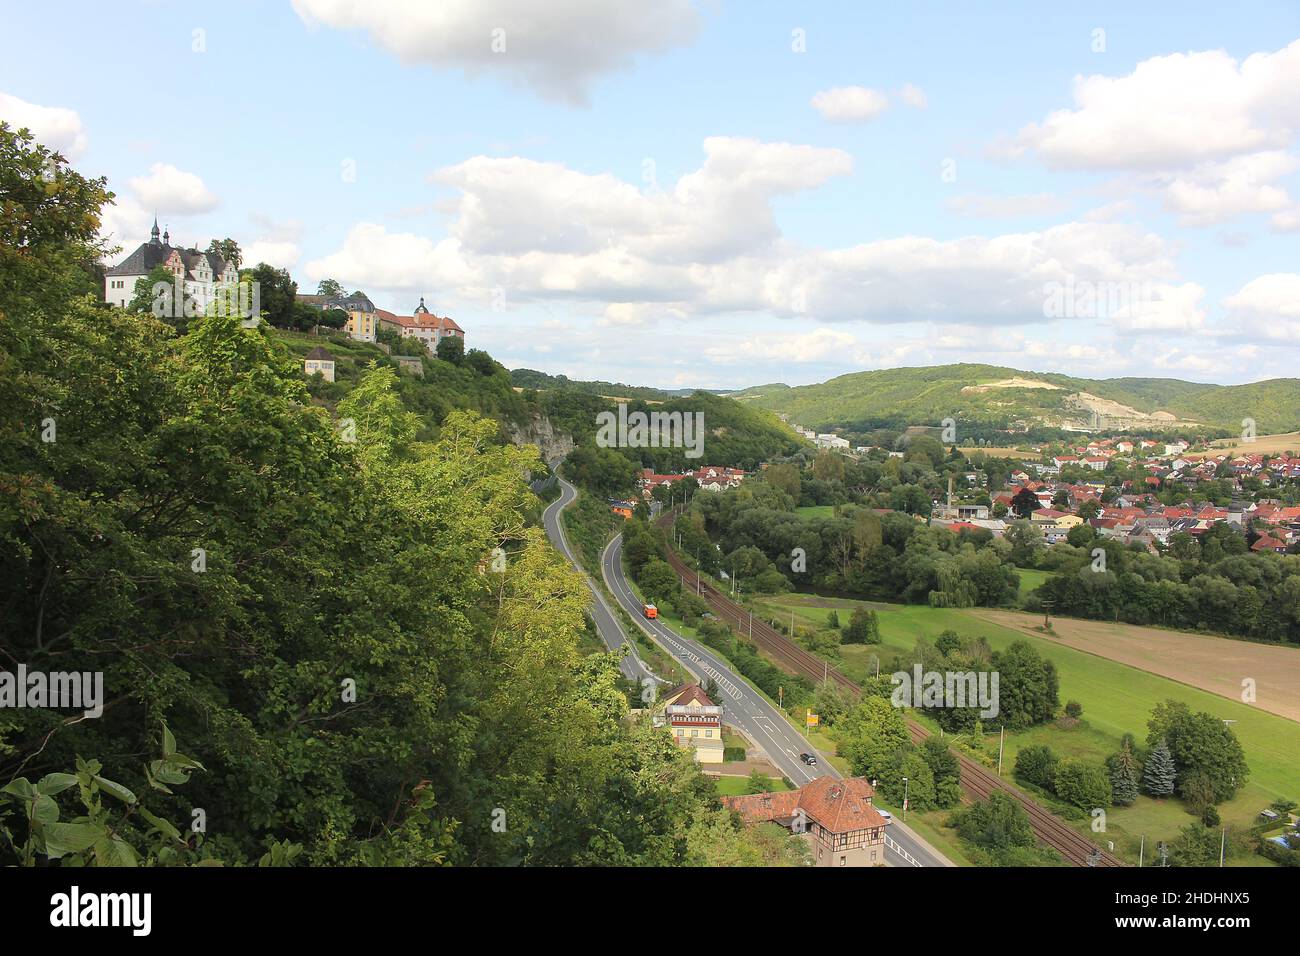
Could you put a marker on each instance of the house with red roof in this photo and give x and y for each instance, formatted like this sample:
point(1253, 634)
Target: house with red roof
point(836, 818)
point(421, 324)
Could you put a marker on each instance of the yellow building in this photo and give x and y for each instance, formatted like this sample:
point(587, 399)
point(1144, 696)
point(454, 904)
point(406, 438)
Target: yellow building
point(695, 722)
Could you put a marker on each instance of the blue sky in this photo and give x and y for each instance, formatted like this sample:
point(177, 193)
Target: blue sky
point(720, 193)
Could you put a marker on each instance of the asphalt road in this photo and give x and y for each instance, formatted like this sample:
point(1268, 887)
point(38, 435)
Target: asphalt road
point(611, 632)
point(745, 708)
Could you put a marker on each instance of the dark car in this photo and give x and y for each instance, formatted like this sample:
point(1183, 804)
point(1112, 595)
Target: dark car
point(809, 759)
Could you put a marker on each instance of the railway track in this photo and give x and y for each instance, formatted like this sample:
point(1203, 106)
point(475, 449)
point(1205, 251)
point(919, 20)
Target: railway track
point(976, 780)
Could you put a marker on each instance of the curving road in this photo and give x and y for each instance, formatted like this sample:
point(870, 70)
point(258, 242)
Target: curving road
point(611, 632)
point(748, 710)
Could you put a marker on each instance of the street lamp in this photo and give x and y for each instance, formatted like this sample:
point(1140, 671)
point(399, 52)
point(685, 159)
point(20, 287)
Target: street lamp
point(905, 799)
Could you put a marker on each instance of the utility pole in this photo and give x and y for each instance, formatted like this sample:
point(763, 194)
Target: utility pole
point(1142, 850)
point(904, 799)
point(1002, 736)
point(1223, 841)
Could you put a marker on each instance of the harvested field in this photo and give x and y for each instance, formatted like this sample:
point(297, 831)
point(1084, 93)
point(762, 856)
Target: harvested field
point(1214, 664)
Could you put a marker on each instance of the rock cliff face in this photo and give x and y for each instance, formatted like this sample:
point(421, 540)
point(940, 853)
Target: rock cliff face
point(539, 431)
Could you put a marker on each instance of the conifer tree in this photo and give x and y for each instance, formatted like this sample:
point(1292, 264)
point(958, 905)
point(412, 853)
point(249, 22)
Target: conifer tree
point(1158, 775)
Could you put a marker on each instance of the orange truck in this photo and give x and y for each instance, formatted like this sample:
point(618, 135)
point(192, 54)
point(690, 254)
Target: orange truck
point(650, 611)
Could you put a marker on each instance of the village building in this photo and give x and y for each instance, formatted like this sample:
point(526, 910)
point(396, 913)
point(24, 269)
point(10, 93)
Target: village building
point(695, 722)
point(836, 818)
point(319, 362)
point(421, 324)
point(199, 273)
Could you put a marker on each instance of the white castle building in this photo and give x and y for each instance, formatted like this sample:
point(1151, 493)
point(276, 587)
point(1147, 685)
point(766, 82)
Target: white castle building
point(199, 271)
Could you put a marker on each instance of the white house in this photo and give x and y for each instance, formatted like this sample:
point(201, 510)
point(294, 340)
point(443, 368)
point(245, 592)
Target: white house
point(199, 272)
point(319, 360)
point(423, 325)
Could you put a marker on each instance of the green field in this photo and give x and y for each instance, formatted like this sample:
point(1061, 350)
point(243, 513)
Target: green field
point(1115, 698)
point(816, 511)
point(1030, 579)
point(738, 786)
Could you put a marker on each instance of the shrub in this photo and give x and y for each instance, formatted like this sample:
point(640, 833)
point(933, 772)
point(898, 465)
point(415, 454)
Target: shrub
point(1085, 785)
point(1037, 765)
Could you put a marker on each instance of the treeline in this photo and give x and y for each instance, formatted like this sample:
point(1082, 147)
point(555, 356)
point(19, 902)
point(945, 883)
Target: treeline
point(731, 435)
point(1213, 584)
point(365, 651)
point(887, 556)
point(531, 378)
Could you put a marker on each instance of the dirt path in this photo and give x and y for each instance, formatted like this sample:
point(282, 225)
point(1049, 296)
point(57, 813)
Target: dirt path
point(1214, 664)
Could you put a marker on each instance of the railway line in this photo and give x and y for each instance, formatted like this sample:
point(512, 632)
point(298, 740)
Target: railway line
point(977, 781)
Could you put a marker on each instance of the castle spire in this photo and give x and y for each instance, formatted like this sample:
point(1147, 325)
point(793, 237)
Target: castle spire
point(420, 309)
point(153, 233)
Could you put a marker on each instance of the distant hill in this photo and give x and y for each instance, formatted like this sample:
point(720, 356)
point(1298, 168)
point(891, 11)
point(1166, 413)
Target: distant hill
point(541, 381)
point(531, 378)
point(1012, 398)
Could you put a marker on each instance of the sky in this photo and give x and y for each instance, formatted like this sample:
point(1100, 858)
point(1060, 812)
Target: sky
point(718, 193)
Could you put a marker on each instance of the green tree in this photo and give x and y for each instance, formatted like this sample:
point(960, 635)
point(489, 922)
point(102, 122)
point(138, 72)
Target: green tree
point(997, 823)
point(451, 348)
point(228, 250)
point(1159, 774)
point(1037, 765)
point(1028, 685)
point(864, 627)
point(1125, 771)
point(1085, 785)
point(1200, 742)
point(1024, 503)
point(869, 735)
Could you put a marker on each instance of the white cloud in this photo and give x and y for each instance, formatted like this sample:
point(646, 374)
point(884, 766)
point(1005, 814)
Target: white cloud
point(173, 191)
point(57, 127)
point(819, 345)
point(914, 96)
point(1267, 307)
point(125, 223)
point(709, 245)
point(1288, 220)
point(1211, 193)
point(372, 257)
point(1173, 111)
point(850, 104)
point(558, 50)
point(282, 255)
point(513, 206)
point(1159, 307)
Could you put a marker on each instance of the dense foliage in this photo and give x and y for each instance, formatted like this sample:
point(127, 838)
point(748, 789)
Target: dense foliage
point(306, 592)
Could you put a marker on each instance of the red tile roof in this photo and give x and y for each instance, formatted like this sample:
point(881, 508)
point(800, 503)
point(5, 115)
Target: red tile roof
point(837, 805)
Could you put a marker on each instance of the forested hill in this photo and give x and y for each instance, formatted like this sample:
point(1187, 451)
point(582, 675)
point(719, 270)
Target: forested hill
point(343, 644)
point(531, 378)
point(735, 435)
point(1008, 397)
point(541, 381)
